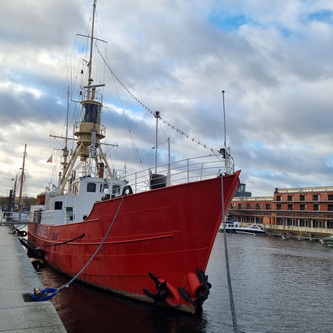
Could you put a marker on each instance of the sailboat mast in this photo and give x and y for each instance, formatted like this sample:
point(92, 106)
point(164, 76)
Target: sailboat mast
point(21, 183)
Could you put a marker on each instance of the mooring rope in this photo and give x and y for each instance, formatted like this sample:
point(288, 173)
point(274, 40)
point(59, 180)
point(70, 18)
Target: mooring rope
point(231, 297)
point(52, 291)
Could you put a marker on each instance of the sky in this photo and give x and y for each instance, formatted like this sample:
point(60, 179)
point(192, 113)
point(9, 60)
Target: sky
point(272, 58)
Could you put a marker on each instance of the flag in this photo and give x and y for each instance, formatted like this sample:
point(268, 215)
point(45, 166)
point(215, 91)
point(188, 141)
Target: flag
point(50, 159)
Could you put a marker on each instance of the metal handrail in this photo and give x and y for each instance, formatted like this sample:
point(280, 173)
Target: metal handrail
point(178, 172)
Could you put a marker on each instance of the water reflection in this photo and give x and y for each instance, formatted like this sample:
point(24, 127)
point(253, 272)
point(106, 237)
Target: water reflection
point(84, 309)
point(278, 286)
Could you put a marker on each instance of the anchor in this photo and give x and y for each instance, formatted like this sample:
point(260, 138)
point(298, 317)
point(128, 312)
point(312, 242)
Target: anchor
point(199, 288)
point(162, 290)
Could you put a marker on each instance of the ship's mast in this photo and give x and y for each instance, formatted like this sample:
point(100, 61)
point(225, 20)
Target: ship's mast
point(89, 130)
point(90, 80)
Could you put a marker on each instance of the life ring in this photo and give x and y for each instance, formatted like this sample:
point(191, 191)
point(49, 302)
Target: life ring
point(127, 190)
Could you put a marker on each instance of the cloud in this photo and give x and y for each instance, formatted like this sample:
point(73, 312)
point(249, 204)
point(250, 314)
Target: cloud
point(273, 59)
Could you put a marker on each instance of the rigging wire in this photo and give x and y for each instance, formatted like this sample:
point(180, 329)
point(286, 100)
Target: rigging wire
point(135, 148)
point(153, 112)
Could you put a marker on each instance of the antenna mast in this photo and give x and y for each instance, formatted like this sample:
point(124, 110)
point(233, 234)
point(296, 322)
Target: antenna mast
point(226, 151)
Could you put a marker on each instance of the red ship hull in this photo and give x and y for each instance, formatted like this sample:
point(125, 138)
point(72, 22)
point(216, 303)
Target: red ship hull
point(168, 232)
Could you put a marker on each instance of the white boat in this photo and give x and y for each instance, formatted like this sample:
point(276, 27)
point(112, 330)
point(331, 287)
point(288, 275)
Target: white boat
point(235, 227)
point(327, 241)
point(230, 226)
point(253, 229)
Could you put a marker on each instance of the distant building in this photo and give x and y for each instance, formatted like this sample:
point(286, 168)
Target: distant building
point(241, 192)
point(308, 210)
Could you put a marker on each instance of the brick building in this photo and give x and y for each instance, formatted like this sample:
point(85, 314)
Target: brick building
point(307, 209)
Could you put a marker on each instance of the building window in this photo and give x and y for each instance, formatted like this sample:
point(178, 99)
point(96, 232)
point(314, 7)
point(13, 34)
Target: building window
point(316, 207)
point(290, 207)
point(303, 223)
point(268, 206)
point(330, 197)
point(302, 207)
point(315, 197)
point(278, 207)
point(291, 222)
point(329, 224)
point(279, 221)
point(248, 206)
point(290, 198)
point(278, 198)
point(257, 206)
point(330, 208)
point(231, 206)
point(316, 224)
point(302, 197)
point(239, 206)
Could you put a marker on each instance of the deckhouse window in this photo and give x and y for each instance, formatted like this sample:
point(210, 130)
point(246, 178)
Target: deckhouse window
point(58, 205)
point(91, 187)
point(116, 189)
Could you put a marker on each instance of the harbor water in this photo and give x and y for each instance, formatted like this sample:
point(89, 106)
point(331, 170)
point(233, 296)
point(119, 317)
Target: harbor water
point(278, 286)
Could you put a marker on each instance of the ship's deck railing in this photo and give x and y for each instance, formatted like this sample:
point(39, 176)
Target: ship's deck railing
point(182, 171)
point(13, 218)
